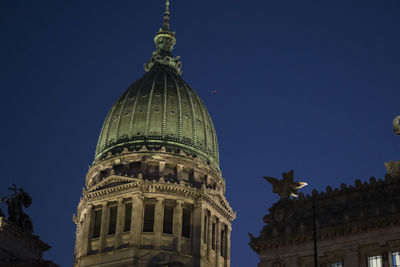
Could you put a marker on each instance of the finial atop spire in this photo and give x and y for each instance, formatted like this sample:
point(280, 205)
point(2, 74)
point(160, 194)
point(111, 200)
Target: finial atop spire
point(166, 16)
point(165, 41)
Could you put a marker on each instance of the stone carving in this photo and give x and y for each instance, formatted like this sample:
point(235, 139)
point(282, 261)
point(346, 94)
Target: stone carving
point(396, 125)
point(285, 187)
point(165, 41)
point(393, 167)
point(15, 201)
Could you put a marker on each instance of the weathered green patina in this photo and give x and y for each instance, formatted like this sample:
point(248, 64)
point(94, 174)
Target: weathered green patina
point(160, 110)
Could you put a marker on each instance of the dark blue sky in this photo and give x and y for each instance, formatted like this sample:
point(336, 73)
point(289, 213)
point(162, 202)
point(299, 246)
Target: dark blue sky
point(306, 85)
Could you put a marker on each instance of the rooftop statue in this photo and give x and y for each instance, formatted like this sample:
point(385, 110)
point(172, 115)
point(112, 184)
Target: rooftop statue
point(15, 201)
point(393, 167)
point(396, 125)
point(285, 187)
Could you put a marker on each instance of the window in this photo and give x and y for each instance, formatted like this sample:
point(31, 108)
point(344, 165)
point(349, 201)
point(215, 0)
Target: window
point(213, 237)
point(168, 219)
point(113, 220)
point(396, 259)
point(186, 222)
point(96, 224)
point(375, 261)
point(337, 264)
point(148, 222)
point(128, 216)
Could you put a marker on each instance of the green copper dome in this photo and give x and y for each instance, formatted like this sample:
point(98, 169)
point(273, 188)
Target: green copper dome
point(160, 110)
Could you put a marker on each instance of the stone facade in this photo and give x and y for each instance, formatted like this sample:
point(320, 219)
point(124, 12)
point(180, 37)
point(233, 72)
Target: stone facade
point(356, 226)
point(192, 186)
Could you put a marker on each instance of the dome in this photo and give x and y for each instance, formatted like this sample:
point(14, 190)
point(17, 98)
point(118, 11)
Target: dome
point(159, 110)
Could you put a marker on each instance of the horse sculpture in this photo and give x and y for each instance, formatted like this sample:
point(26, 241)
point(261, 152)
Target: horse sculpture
point(15, 201)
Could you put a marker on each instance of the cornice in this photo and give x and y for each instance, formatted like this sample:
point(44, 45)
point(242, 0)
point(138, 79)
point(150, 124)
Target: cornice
point(101, 191)
point(263, 242)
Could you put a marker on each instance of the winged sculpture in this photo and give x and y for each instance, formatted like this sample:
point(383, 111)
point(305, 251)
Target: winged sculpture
point(285, 187)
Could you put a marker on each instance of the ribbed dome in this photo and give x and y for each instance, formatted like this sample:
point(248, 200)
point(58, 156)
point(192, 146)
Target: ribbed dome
point(159, 110)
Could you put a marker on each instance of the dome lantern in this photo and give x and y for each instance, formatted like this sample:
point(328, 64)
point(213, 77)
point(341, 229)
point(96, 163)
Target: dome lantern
point(165, 41)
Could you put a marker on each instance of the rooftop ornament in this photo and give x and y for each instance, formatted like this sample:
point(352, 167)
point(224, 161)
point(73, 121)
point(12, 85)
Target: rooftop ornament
point(396, 125)
point(15, 201)
point(165, 41)
point(285, 187)
point(393, 167)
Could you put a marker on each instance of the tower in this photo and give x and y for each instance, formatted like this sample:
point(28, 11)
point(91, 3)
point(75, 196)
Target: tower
point(154, 194)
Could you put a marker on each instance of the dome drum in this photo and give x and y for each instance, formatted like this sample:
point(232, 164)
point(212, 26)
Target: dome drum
point(155, 165)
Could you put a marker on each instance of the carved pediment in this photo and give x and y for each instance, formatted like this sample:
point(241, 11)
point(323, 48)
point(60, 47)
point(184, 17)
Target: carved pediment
point(110, 182)
point(220, 200)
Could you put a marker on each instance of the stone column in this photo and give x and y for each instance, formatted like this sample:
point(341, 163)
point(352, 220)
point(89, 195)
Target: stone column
point(179, 170)
point(228, 246)
point(161, 168)
point(136, 220)
point(104, 227)
point(120, 223)
point(209, 235)
point(196, 228)
point(158, 221)
point(218, 243)
point(85, 230)
point(177, 227)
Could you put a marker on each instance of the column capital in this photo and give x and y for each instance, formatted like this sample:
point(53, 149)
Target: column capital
point(137, 196)
point(160, 199)
point(179, 202)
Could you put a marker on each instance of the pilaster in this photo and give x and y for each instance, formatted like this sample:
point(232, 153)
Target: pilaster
point(161, 168)
point(196, 225)
point(179, 171)
point(104, 226)
point(158, 221)
point(85, 230)
point(120, 221)
point(136, 220)
point(177, 221)
point(209, 236)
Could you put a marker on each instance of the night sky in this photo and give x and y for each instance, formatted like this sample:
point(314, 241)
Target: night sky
point(306, 85)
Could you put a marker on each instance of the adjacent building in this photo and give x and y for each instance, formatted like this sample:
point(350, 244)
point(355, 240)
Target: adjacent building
point(356, 225)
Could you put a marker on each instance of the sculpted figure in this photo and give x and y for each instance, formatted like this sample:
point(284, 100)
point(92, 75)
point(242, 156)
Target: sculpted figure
point(15, 201)
point(396, 125)
point(285, 187)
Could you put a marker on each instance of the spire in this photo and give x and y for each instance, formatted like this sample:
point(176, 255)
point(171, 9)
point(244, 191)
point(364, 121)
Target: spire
point(166, 17)
point(165, 41)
